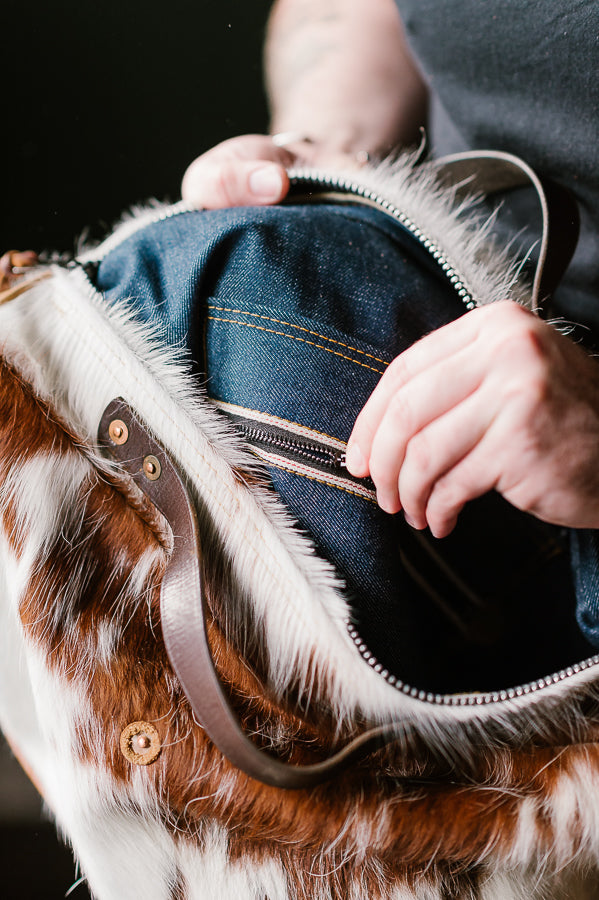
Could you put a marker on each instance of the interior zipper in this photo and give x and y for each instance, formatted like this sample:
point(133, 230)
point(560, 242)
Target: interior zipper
point(318, 454)
point(296, 448)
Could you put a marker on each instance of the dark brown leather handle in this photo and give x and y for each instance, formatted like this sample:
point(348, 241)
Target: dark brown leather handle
point(183, 613)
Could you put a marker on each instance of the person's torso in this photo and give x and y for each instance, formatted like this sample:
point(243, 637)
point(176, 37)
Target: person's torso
point(521, 77)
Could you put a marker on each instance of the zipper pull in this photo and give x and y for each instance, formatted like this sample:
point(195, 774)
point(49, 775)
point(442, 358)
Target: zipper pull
point(340, 459)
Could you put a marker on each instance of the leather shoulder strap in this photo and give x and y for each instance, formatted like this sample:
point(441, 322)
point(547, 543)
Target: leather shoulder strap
point(184, 610)
point(492, 171)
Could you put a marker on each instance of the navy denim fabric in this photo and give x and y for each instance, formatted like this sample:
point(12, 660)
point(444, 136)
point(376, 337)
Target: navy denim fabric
point(295, 311)
point(585, 563)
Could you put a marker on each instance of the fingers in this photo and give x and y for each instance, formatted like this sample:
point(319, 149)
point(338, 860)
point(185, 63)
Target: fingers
point(420, 359)
point(406, 436)
point(472, 477)
point(439, 449)
point(244, 171)
point(217, 185)
point(455, 391)
point(250, 170)
point(451, 461)
point(427, 378)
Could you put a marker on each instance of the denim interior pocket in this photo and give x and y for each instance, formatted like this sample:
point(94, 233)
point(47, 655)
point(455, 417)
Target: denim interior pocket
point(258, 359)
point(294, 312)
point(490, 607)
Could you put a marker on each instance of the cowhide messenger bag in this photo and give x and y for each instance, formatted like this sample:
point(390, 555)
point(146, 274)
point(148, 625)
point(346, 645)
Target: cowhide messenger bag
point(227, 671)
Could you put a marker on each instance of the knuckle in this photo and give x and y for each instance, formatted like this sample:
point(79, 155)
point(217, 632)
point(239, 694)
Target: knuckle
point(507, 311)
point(529, 345)
point(526, 498)
point(457, 486)
point(420, 456)
point(441, 525)
point(443, 498)
point(397, 371)
point(521, 338)
point(223, 184)
point(417, 477)
point(442, 509)
point(379, 472)
point(523, 362)
point(209, 184)
point(401, 411)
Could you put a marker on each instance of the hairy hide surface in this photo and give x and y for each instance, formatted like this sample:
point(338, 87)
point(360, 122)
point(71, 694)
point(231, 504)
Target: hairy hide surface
point(491, 800)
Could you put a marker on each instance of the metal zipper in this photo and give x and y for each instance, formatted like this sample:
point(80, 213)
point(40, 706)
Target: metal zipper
point(343, 184)
point(309, 178)
point(311, 452)
point(333, 458)
point(468, 699)
point(325, 181)
point(294, 448)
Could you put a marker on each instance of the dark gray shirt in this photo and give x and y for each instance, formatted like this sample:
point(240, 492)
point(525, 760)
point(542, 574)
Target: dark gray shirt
point(521, 76)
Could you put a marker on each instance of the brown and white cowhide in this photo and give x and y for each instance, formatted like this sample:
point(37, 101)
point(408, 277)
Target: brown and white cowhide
point(450, 811)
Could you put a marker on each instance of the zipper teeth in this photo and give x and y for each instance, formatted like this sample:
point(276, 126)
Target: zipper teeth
point(314, 452)
point(341, 183)
point(323, 179)
point(335, 458)
point(335, 182)
point(467, 699)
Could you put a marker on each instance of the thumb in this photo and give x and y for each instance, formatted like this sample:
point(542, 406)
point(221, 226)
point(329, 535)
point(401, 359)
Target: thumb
point(213, 184)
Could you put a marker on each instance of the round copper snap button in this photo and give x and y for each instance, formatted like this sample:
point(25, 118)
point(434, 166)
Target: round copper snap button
point(151, 468)
point(140, 743)
point(118, 432)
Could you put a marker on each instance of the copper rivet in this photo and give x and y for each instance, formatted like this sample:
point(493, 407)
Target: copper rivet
point(118, 432)
point(140, 743)
point(151, 468)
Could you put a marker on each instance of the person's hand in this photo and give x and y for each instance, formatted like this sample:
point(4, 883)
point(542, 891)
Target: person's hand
point(498, 400)
point(250, 170)
point(244, 171)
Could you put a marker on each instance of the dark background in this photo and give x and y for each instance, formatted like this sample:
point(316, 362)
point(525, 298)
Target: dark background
point(103, 106)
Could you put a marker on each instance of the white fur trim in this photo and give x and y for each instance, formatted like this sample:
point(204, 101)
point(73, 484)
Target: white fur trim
point(89, 353)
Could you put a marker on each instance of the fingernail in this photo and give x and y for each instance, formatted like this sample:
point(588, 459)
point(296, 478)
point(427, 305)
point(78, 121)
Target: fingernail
point(387, 504)
point(354, 460)
point(266, 183)
point(419, 526)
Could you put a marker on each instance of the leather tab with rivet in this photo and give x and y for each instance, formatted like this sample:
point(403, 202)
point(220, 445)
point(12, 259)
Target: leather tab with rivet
point(184, 613)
